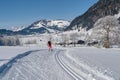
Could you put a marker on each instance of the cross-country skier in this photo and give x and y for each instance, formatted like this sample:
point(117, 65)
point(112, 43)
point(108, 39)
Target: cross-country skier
point(50, 45)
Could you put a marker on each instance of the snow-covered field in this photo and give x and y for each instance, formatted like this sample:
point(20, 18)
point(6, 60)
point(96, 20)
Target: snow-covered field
point(80, 63)
point(99, 63)
point(7, 53)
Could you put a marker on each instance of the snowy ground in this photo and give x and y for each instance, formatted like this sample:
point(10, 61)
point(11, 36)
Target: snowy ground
point(83, 63)
point(96, 62)
point(7, 53)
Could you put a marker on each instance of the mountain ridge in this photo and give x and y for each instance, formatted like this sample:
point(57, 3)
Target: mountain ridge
point(40, 27)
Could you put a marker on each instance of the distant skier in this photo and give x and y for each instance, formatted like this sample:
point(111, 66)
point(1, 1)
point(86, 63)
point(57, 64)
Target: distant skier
point(50, 45)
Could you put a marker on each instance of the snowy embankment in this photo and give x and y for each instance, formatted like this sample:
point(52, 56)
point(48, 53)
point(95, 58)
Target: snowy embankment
point(7, 53)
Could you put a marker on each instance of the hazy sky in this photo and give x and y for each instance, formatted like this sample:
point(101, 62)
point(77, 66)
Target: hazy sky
point(24, 12)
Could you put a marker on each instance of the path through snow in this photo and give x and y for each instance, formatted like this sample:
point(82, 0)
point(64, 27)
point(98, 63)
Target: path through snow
point(38, 65)
point(56, 65)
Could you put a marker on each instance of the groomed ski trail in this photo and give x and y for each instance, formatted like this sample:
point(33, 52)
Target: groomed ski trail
point(45, 65)
point(67, 68)
point(34, 65)
point(81, 69)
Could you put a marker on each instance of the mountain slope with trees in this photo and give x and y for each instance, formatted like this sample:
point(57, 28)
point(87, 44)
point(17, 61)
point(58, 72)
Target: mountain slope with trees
point(100, 9)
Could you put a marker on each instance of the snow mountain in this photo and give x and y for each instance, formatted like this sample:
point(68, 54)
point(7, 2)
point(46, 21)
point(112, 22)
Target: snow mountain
point(45, 26)
point(38, 27)
point(100, 9)
point(15, 29)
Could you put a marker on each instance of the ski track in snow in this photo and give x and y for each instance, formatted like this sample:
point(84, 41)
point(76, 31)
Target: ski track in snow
point(86, 72)
point(36, 65)
point(67, 68)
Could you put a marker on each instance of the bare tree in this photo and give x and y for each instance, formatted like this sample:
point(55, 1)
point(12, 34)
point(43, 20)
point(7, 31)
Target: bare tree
point(9, 41)
point(73, 37)
point(64, 39)
point(105, 28)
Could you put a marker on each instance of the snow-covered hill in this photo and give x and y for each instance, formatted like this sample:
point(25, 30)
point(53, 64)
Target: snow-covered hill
point(44, 26)
point(15, 29)
point(51, 23)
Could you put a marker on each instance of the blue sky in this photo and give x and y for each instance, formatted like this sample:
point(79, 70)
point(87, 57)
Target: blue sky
point(24, 12)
